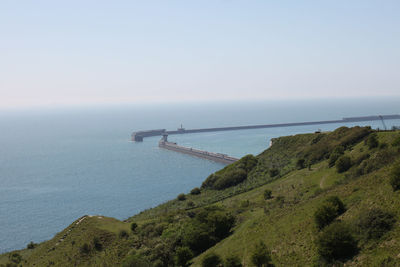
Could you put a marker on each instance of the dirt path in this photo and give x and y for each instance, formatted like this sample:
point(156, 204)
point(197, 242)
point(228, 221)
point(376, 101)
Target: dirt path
point(321, 183)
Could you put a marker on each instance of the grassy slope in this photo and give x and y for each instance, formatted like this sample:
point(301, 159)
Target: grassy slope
point(286, 227)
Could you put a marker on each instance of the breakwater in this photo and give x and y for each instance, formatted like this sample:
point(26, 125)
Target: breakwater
point(218, 157)
point(139, 135)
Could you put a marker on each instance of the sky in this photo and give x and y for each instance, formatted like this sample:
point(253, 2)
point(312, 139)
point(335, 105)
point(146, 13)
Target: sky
point(56, 53)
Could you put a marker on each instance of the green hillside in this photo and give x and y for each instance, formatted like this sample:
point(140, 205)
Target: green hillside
point(322, 199)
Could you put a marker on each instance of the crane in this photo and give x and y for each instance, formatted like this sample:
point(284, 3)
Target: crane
point(383, 122)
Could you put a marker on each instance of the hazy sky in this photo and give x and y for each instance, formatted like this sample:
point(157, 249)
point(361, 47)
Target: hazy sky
point(89, 52)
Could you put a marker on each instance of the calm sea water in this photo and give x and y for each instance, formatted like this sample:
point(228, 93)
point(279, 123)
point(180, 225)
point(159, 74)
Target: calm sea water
point(59, 164)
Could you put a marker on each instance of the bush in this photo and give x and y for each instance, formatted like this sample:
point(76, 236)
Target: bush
point(343, 164)
point(230, 178)
point(261, 256)
point(135, 261)
point(372, 141)
point(31, 245)
point(328, 211)
point(134, 226)
point(123, 234)
point(195, 191)
point(97, 244)
point(336, 242)
point(300, 164)
point(15, 257)
point(273, 172)
point(267, 194)
point(396, 141)
point(211, 260)
point(183, 255)
point(85, 248)
point(247, 163)
point(336, 153)
point(190, 204)
point(395, 177)
point(232, 261)
point(181, 197)
point(208, 227)
point(374, 223)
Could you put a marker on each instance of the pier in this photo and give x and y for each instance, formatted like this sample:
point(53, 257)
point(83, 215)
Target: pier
point(218, 157)
point(140, 135)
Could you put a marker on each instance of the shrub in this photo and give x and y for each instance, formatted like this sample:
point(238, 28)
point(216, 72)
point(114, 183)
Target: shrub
point(247, 163)
point(261, 256)
point(85, 248)
point(181, 197)
point(211, 260)
point(135, 261)
point(343, 164)
point(395, 177)
point(383, 145)
point(273, 172)
point(183, 255)
point(209, 226)
point(336, 153)
point(123, 234)
point(197, 237)
point(280, 200)
point(31, 245)
point(372, 141)
point(97, 244)
point(374, 223)
point(230, 178)
point(336, 242)
point(232, 261)
point(333, 158)
point(267, 194)
point(195, 191)
point(396, 141)
point(134, 226)
point(300, 164)
point(15, 257)
point(328, 211)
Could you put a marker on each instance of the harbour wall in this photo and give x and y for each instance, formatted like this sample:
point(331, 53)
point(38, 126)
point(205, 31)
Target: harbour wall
point(218, 157)
point(138, 136)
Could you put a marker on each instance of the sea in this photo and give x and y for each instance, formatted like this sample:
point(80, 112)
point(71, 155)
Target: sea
point(58, 164)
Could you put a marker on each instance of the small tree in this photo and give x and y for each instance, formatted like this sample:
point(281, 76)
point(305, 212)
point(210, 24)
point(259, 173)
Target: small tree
point(267, 194)
point(211, 260)
point(395, 177)
point(183, 256)
point(195, 191)
point(328, 211)
point(134, 226)
point(261, 256)
point(232, 261)
point(31, 245)
point(336, 242)
point(181, 197)
point(343, 164)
